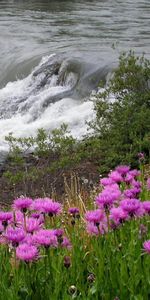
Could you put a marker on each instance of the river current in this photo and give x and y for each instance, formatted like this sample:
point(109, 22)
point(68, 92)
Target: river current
point(86, 38)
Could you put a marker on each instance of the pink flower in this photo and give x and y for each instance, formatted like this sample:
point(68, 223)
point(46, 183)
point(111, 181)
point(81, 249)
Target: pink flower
point(122, 169)
point(146, 246)
point(18, 217)
point(136, 183)
point(116, 176)
point(129, 178)
point(26, 252)
point(141, 156)
point(134, 173)
point(108, 196)
point(92, 229)
point(28, 239)
point(5, 217)
point(118, 215)
point(146, 207)
point(22, 204)
point(52, 208)
point(58, 232)
point(39, 217)
point(66, 243)
point(15, 235)
point(38, 204)
point(95, 216)
point(47, 206)
point(106, 181)
point(46, 238)
point(131, 193)
point(32, 225)
point(96, 230)
point(131, 206)
point(74, 211)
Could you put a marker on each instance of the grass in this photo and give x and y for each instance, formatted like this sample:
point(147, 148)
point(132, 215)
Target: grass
point(103, 258)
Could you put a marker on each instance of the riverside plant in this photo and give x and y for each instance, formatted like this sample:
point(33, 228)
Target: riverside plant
point(50, 251)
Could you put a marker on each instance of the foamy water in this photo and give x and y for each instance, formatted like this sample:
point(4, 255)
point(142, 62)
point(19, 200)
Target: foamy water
point(23, 110)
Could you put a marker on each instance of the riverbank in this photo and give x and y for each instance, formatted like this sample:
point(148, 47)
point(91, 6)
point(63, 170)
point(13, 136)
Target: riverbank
point(35, 179)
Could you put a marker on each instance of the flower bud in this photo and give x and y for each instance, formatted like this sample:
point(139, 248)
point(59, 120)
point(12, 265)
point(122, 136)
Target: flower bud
point(72, 290)
point(67, 262)
point(91, 278)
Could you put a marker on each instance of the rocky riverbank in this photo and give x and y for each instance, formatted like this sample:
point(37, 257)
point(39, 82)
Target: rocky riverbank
point(35, 178)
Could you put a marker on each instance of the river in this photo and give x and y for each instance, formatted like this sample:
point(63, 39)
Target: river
point(90, 34)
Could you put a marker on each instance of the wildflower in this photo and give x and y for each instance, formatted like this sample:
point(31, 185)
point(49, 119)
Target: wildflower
point(73, 222)
point(59, 234)
point(131, 206)
point(148, 184)
point(129, 178)
point(67, 262)
point(32, 224)
point(131, 193)
point(134, 173)
point(106, 181)
point(95, 216)
point(47, 206)
point(18, 217)
point(46, 238)
point(91, 278)
point(96, 229)
point(116, 176)
point(28, 239)
point(27, 252)
point(146, 246)
point(15, 235)
point(5, 217)
point(108, 196)
point(22, 204)
point(122, 169)
point(146, 207)
point(39, 217)
point(141, 156)
point(72, 290)
point(35, 215)
point(51, 207)
point(74, 211)
point(38, 205)
point(136, 183)
point(66, 243)
point(118, 215)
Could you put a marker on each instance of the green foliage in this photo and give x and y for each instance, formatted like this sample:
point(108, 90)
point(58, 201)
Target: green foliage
point(123, 126)
point(14, 178)
point(52, 150)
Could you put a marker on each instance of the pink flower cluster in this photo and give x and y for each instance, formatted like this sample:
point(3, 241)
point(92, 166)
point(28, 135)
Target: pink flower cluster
point(24, 228)
point(117, 202)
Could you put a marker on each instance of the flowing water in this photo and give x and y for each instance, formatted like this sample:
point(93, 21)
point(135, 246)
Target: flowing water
point(54, 53)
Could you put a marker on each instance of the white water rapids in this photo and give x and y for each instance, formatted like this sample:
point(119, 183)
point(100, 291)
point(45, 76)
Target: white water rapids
point(22, 111)
point(31, 30)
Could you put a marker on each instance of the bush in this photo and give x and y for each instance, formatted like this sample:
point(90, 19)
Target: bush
point(123, 126)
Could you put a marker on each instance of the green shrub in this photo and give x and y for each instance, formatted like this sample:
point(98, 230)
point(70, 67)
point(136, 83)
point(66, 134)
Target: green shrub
point(122, 127)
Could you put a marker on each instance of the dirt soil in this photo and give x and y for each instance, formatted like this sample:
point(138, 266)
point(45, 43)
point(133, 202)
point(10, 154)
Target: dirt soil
point(83, 176)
